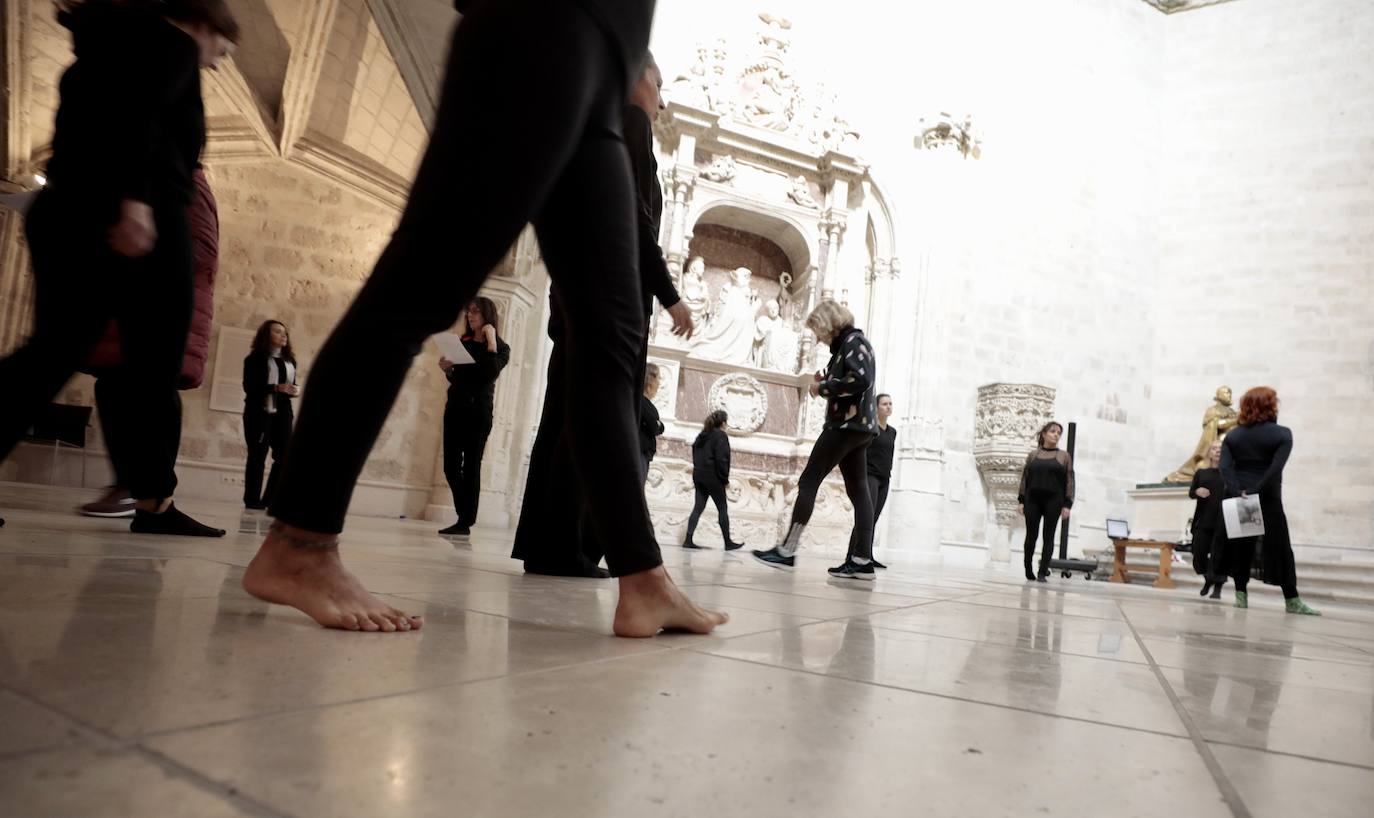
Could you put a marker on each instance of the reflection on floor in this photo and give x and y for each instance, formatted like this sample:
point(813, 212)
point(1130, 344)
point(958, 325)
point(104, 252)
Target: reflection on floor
point(137, 679)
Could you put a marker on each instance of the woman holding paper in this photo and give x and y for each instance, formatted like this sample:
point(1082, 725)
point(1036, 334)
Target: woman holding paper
point(1252, 459)
point(467, 416)
point(269, 385)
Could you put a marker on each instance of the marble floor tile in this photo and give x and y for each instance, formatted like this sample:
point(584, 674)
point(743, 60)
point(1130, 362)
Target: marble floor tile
point(26, 727)
point(1110, 692)
point(688, 734)
point(104, 784)
point(1281, 786)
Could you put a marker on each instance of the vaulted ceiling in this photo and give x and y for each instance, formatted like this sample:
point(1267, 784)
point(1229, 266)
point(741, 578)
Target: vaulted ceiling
point(344, 87)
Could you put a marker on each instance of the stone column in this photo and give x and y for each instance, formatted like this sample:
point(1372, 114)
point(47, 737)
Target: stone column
point(1005, 423)
point(16, 283)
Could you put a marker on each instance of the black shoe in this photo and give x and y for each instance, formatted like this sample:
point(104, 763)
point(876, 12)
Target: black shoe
point(733, 546)
point(877, 565)
point(173, 522)
point(1216, 591)
point(1206, 586)
point(773, 558)
point(458, 529)
point(578, 571)
point(1042, 578)
point(1029, 576)
point(693, 546)
point(852, 570)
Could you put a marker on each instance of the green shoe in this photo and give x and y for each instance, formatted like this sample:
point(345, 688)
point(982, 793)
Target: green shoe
point(1242, 600)
point(1297, 606)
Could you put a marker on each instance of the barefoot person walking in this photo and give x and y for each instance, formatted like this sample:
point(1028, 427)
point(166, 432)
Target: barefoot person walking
point(549, 151)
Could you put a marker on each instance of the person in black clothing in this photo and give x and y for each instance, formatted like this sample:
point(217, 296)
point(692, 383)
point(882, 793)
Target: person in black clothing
point(109, 235)
point(1045, 496)
point(710, 476)
point(650, 425)
point(880, 455)
point(1209, 536)
point(468, 413)
point(269, 385)
point(515, 139)
point(1252, 459)
point(554, 534)
point(851, 421)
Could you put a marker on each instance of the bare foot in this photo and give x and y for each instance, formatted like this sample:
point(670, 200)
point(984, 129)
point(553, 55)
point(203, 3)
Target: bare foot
point(315, 582)
point(650, 602)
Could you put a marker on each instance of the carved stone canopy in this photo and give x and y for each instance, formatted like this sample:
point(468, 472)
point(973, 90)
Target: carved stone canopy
point(1007, 418)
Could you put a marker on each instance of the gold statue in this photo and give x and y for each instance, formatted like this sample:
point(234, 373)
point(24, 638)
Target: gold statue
point(1219, 419)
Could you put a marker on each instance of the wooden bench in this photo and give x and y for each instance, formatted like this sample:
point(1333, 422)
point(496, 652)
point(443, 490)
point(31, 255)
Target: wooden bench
point(1166, 561)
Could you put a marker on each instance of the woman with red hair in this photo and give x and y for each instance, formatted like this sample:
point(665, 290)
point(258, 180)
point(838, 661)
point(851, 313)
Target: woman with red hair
point(1252, 460)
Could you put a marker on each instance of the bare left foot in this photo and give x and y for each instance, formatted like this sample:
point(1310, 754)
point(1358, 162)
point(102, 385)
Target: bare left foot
point(650, 602)
point(315, 582)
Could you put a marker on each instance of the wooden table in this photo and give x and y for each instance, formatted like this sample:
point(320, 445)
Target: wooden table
point(1166, 561)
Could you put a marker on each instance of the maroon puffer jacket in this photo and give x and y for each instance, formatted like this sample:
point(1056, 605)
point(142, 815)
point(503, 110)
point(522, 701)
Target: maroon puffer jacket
point(204, 217)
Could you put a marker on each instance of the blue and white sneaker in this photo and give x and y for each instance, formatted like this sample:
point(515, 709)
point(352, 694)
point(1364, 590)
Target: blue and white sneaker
point(773, 558)
point(852, 570)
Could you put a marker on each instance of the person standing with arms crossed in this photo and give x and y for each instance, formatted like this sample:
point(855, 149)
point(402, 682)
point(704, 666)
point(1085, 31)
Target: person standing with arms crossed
point(1046, 495)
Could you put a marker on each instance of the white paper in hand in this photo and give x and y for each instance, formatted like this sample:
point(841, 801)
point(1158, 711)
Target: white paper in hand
point(1243, 517)
point(451, 347)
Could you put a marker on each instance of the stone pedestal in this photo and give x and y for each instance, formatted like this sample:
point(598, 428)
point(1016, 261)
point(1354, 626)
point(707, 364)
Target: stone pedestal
point(1160, 512)
point(1005, 423)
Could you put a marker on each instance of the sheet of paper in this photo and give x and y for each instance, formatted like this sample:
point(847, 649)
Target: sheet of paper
point(451, 347)
point(1243, 517)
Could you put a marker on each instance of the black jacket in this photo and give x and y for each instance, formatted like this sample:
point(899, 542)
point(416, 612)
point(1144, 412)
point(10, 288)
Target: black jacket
point(131, 123)
point(650, 427)
point(1207, 512)
point(655, 280)
point(848, 386)
point(474, 384)
point(1253, 457)
point(625, 22)
point(256, 388)
point(711, 457)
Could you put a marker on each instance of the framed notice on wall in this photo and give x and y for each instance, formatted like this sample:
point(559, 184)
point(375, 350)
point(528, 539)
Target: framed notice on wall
point(226, 386)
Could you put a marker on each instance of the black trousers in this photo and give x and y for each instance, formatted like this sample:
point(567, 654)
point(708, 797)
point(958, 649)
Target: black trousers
point(1211, 542)
point(80, 285)
point(467, 426)
point(716, 491)
point(263, 432)
point(848, 450)
point(1042, 509)
point(117, 406)
point(1240, 554)
point(515, 140)
point(877, 492)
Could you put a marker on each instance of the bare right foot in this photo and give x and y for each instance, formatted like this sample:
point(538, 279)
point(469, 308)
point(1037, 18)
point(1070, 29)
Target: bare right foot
point(650, 602)
point(315, 582)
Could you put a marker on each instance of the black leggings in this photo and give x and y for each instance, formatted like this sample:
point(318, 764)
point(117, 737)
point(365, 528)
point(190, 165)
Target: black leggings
point(1042, 508)
point(80, 284)
point(264, 432)
point(1212, 543)
point(466, 429)
point(849, 450)
point(515, 140)
point(1241, 555)
point(716, 491)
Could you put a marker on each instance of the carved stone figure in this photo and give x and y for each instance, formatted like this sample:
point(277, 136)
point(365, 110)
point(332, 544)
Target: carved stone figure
point(764, 328)
point(801, 193)
point(721, 169)
point(1219, 419)
point(729, 334)
point(695, 294)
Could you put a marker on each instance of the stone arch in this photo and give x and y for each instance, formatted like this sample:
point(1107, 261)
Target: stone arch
point(790, 234)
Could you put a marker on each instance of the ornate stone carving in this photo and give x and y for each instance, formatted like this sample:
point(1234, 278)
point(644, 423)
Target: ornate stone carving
point(742, 398)
point(765, 92)
point(721, 169)
point(1172, 6)
point(1005, 423)
point(945, 131)
point(801, 193)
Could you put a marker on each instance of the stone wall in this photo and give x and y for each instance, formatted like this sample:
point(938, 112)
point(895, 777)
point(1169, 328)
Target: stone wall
point(1267, 242)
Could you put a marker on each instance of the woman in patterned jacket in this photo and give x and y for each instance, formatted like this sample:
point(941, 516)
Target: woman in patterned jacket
point(851, 421)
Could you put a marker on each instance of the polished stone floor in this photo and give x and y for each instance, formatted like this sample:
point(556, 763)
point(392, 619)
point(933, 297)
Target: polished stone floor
point(137, 679)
